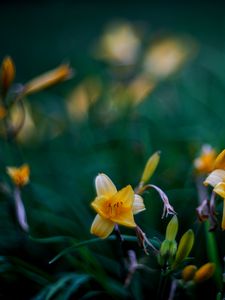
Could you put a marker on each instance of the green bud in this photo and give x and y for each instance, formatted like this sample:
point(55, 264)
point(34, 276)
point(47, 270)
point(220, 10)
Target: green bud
point(184, 247)
point(172, 228)
point(150, 167)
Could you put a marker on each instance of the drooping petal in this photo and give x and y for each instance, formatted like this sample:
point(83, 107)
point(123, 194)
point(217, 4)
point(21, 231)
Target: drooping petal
point(215, 177)
point(138, 204)
point(104, 186)
point(125, 218)
point(125, 195)
point(102, 227)
point(220, 161)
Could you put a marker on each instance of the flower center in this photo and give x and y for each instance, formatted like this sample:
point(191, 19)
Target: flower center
point(113, 209)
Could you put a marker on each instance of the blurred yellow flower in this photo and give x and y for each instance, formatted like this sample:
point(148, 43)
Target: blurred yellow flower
point(48, 79)
point(188, 272)
point(120, 44)
point(20, 176)
point(7, 73)
point(206, 160)
point(166, 56)
point(113, 207)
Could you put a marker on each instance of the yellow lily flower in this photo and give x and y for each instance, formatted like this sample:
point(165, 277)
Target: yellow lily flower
point(19, 176)
point(217, 180)
point(113, 207)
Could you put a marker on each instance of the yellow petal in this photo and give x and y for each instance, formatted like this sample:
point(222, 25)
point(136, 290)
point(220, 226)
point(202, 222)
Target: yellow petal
point(220, 189)
point(104, 186)
point(125, 195)
point(125, 218)
point(138, 204)
point(220, 161)
point(99, 205)
point(102, 227)
point(215, 177)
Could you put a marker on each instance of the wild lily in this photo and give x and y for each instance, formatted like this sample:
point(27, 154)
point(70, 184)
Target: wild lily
point(114, 207)
point(216, 179)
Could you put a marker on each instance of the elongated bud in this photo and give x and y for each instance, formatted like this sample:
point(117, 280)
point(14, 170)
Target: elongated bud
point(48, 79)
point(184, 247)
point(167, 252)
point(204, 273)
point(172, 228)
point(7, 73)
point(150, 167)
point(188, 272)
point(19, 176)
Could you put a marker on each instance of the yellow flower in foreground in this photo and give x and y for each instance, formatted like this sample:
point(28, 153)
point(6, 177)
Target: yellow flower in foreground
point(205, 162)
point(113, 207)
point(217, 180)
point(19, 176)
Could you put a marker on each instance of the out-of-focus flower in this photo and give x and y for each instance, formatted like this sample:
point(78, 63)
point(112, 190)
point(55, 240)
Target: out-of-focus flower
point(113, 207)
point(82, 97)
point(20, 176)
point(139, 88)
point(48, 79)
point(120, 44)
point(7, 73)
point(205, 272)
point(26, 133)
point(204, 163)
point(167, 55)
point(217, 180)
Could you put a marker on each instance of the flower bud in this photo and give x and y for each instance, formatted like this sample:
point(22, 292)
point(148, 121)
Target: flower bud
point(7, 73)
point(48, 79)
point(150, 167)
point(188, 272)
point(204, 273)
point(184, 247)
point(172, 228)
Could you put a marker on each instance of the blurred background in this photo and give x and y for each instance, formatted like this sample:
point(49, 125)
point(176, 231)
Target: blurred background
point(148, 76)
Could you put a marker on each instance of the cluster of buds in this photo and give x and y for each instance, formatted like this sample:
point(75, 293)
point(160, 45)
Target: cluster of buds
point(170, 255)
point(192, 275)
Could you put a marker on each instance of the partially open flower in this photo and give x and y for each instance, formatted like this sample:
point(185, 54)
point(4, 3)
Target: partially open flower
point(114, 207)
point(19, 176)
